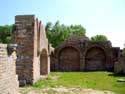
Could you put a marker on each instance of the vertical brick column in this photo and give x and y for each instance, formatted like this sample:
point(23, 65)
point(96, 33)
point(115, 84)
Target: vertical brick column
point(30, 36)
point(24, 38)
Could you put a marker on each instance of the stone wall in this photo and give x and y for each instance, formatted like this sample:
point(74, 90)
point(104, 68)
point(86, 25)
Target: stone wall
point(8, 77)
point(30, 35)
point(98, 54)
point(78, 53)
point(116, 54)
point(120, 65)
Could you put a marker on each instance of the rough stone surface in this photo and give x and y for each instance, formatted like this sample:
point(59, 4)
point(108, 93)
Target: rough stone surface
point(32, 51)
point(8, 78)
point(120, 65)
point(78, 53)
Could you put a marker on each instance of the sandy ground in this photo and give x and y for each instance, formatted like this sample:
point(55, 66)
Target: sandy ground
point(64, 90)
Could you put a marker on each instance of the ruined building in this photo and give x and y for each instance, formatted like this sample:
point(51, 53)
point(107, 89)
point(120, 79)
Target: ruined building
point(32, 50)
point(30, 54)
point(78, 53)
point(8, 78)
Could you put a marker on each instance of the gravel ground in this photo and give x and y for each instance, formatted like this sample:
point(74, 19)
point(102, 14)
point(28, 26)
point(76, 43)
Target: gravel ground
point(63, 90)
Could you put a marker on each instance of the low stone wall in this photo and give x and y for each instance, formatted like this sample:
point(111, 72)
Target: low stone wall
point(120, 65)
point(8, 77)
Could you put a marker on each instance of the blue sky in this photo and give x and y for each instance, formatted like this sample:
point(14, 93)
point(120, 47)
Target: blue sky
point(97, 16)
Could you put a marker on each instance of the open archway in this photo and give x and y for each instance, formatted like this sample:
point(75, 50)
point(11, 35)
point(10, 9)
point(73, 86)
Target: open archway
point(43, 62)
point(95, 59)
point(69, 59)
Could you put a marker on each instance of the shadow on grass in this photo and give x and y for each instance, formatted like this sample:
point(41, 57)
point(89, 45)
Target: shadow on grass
point(117, 74)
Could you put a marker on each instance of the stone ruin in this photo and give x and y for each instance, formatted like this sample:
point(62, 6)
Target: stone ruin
point(30, 60)
point(8, 78)
point(31, 56)
point(32, 50)
point(78, 53)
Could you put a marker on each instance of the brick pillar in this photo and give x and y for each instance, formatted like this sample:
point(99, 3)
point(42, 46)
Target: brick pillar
point(24, 38)
point(30, 36)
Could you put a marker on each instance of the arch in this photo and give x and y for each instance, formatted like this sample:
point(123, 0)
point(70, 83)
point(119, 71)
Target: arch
point(38, 36)
point(65, 46)
point(69, 59)
point(43, 62)
point(95, 59)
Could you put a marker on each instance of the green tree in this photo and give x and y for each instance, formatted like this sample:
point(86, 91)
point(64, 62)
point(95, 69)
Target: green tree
point(99, 38)
point(123, 51)
point(5, 33)
point(77, 30)
point(57, 33)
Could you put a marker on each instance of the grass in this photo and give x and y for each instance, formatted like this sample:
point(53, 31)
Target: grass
point(94, 80)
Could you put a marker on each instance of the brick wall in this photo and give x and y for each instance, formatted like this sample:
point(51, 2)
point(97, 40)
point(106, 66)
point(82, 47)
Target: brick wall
point(24, 37)
point(8, 77)
point(30, 36)
point(92, 55)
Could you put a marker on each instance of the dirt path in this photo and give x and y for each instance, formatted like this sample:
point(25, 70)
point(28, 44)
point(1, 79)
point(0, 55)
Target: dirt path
point(64, 90)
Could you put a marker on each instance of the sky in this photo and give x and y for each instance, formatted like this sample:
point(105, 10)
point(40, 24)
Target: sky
point(105, 17)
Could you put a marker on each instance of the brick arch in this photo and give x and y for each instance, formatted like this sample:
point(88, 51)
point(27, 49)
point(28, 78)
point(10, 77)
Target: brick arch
point(38, 35)
point(95, 59)
point(69, 59)
point(43, 62)
point(66, 46)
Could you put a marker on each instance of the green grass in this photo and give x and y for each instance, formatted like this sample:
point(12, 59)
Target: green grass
point(94, 80)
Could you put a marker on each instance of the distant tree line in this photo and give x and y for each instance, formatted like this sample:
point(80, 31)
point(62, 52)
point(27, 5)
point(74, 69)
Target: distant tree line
point(56, 33)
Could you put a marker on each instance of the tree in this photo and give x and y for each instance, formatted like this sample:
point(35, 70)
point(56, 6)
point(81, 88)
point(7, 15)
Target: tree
point(77, 30)
point(99, 38)
point(123, 51)
point(5, 33)
point(48, 26)
point(57, 33)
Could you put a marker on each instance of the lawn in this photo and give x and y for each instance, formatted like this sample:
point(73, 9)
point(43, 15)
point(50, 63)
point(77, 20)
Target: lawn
point(94, 80)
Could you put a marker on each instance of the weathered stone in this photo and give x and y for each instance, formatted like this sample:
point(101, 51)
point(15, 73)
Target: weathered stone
point(30, 36)
point(8, 78)
point(119, 66)
point(120, 80)
point(78, 53)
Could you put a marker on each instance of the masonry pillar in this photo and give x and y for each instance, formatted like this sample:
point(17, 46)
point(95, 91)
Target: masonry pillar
point(24, 37)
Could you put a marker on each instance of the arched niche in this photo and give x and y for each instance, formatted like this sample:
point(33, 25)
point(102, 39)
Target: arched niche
point(69, 59)
point(95, 59)
point(43, 62)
